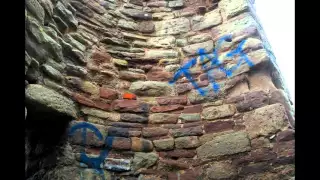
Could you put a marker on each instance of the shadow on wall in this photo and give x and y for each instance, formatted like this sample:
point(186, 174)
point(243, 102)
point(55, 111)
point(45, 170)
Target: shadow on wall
point(46, 136)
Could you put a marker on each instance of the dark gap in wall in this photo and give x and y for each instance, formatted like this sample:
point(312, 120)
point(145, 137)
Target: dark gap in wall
point(46, 133)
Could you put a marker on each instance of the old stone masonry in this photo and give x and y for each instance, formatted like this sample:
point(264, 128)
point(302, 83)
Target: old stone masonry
point(99, 104)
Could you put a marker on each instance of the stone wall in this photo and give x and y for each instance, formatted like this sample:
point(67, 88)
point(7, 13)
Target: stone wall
point(106, 66)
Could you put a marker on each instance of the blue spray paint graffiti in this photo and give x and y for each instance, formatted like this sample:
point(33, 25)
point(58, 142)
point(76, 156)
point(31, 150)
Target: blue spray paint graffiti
point(94, 162)
point(215, 63)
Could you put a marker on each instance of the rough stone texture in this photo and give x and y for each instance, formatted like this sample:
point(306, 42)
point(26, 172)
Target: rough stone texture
point(114, 60)
point(216, 112)
point(151, 88)
point(141, 145)
point(172, 100)
point(162, 118)
point(133, 118)
point(49, 100)
point(187, 142)
point(164, 144)
point(144, 160)
point(172, 27)
point(193, 49)
point(265, 120)
point(154, 132)
point(232, 8)
point(224, 145)
point(221, 170)
point(132, 106)
point(185, 118)
point(101, 114)
point(191, 131)
point(209, 20)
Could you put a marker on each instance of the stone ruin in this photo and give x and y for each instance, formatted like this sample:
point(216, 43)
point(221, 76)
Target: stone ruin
point(99, 105)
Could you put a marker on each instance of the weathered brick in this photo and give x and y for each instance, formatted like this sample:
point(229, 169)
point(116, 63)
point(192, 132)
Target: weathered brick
point(216, 112)
point(126, 125)
point(116, 131)
point(286, 148)
point(176, 164)
point(154, 132)
point(263, 154)
point(187, 142)
point(108, 93)
point(185, 118)
point(133, 106)
point(286, 135)
point(193, 109)
point(134, 118)
point(265, 120)
point(192, 124)
point(218, 126)
point(181, 153)
point(141, 145)
point(164, 144)
point(168, 100)
point(254, 168)
point(162, 118)
point(159, 109)
point(121, 143)
point(191, 131)
point(224, 145)
point(159, 74)
point(253, 100)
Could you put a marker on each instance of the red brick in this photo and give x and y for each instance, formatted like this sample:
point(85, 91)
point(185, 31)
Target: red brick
point(172, 100)
point(108, 93)
point(133, 106)
point(159, 74)
point(180, 153)
point(173, 164)
point(263, 154)
point(218, 126)
point(154, 132)
point(168, 108)
point(99, 57)
point(286, 135)
point(193, 109)
point(285, 148)
point(253, 100)
point(83, 100)
point(121, 143)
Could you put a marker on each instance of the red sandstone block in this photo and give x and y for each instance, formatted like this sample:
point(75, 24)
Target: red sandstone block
point(180, 153)
point(83, 100)
point(99, 57)
point(121, 143)
point(133, 106)
point(174, 163)
point(193, 109)
point(158, 109)
point(154, 132)
point(286, 135)
point(172, 100)
point(263, 154)
point(158, 74)
point(286, 148)
point(102, 105)
point(218, 126)
point(108, 93)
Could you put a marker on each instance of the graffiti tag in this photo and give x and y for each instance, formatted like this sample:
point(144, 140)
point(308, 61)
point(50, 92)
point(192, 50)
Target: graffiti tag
point(215, 63)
